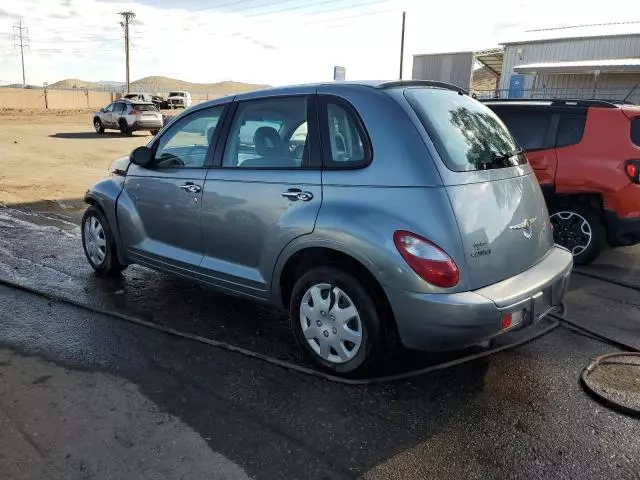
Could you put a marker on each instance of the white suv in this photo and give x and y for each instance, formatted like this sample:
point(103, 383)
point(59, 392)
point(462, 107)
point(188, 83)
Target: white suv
point(128, 116)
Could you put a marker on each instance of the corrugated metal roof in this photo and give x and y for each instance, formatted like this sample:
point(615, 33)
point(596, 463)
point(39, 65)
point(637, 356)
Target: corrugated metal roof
point(618, 65)
point(578, 31)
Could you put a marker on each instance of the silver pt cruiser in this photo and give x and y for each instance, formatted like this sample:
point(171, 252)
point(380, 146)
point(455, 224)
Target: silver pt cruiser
point(373, 212)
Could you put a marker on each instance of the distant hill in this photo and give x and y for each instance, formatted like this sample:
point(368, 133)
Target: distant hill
point(166, 84)
point(71, 83)
point(483, 80)
point(162, 85)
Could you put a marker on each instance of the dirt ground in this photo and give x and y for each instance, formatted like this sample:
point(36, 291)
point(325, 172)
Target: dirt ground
point(56, 155)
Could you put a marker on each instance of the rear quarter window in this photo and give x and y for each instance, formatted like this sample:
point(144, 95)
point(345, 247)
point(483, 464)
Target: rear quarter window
point(635, 131)
point(530, 128)
point(571, 129)
point(467, 135)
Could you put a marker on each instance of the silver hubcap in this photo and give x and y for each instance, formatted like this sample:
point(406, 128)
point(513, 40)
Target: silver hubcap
point(330, 322)
point(572, 231)
point(94, 241)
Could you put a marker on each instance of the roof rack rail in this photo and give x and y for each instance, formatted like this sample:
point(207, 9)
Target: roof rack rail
point(558, 101)
point(422, 83)
point(584, 103)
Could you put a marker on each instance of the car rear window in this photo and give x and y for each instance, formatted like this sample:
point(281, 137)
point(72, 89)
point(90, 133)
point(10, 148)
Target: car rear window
point(467, 135)
point(146, 108)
point(635, 131)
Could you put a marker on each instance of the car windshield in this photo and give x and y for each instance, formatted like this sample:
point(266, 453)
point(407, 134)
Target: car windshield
point(467, 135)
point(176, 94)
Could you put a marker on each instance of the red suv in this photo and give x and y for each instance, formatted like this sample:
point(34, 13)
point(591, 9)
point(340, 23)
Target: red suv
point(586, 155)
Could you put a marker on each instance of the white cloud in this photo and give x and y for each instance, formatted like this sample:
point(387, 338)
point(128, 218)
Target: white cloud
point(82, 38)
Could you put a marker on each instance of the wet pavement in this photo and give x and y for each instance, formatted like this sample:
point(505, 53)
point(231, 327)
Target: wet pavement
point(518, 414)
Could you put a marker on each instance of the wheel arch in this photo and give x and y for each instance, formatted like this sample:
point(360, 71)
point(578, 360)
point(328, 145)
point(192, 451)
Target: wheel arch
point(104, 196)
point(594, 199)
point(311, 255)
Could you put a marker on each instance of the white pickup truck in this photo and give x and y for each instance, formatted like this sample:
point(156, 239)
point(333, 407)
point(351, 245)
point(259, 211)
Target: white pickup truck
point(179, 99)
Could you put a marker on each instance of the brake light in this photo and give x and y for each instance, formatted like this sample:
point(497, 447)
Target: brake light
point(429, 261)
point(632, 168)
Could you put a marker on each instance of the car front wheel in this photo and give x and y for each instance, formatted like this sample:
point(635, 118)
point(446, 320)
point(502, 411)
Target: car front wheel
point(335, 320)
point(578, 228)
point(97, 124)
point(98, 243)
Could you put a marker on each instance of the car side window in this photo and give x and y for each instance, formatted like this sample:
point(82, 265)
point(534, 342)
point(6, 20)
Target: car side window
point(109, 108)
point(270, 133)
point(347, 145)
point(529, 128)
point(635, 131)
point(187, 142)
point(571, 129)
point(119, 107)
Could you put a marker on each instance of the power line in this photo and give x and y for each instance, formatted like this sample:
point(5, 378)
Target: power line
point(23, 38)
point(320, 12)
point(128, 18)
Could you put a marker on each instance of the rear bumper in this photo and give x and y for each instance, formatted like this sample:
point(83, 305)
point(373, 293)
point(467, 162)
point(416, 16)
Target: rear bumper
point(622, 232)
point(450, 321)
point(147, 125)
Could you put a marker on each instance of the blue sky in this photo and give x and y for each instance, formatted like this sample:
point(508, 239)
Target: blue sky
point(262, 41)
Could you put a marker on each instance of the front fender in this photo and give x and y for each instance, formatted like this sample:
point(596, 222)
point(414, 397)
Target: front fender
point(104, 194)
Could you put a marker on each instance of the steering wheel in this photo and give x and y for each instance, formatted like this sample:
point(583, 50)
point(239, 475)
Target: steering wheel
point(296, 151)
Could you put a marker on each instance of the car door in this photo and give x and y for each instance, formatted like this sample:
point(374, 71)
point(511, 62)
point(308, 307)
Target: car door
point(160, 206)
point(265, 191)
point(105, 114)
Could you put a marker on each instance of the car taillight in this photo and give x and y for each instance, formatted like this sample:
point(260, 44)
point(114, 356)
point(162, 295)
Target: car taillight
point(632, 168)
point(428, 260)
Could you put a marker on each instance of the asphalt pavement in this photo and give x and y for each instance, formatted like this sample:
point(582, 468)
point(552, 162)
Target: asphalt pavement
point(517, 414)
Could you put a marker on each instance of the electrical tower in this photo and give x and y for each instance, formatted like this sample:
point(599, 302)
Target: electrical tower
point(127, 18)
point(21, 39)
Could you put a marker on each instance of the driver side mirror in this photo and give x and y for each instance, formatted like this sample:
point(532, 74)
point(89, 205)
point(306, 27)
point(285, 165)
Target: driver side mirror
point(142, 156)
point(102, 110)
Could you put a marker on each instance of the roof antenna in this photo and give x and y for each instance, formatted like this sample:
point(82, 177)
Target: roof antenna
point(629, 94)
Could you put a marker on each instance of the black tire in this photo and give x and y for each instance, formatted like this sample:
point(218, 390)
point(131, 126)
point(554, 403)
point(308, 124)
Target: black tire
point(124, 127)
point(567, 219)
point(110, 265)
point(97, 125)
point(373, 331)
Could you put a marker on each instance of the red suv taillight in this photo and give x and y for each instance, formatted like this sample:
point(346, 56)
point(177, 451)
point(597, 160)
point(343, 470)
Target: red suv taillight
point(632, 168)
point(428, 260)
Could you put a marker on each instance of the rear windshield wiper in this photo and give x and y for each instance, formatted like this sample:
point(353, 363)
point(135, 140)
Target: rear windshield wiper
point(498, 157)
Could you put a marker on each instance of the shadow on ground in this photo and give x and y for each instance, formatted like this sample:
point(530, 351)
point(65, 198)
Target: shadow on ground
point(96, 136)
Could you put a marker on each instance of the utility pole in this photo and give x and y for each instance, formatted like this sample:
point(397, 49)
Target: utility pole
point(128, 18)
point(404, 17)
point(21, 39)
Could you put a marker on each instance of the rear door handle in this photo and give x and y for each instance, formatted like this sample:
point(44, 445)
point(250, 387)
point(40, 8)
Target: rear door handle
point(297, 194)
point(191, 188)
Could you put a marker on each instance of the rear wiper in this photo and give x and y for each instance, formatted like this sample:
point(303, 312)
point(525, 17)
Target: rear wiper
point(497, 157)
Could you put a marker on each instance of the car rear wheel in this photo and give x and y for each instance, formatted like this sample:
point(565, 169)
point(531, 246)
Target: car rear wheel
point(124, 127)
point(98, 243)
point(578, 228)
point(97, 124)
point(335, 320)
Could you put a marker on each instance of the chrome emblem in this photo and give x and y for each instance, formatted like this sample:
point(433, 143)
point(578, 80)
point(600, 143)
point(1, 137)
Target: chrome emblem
point(526, 226)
